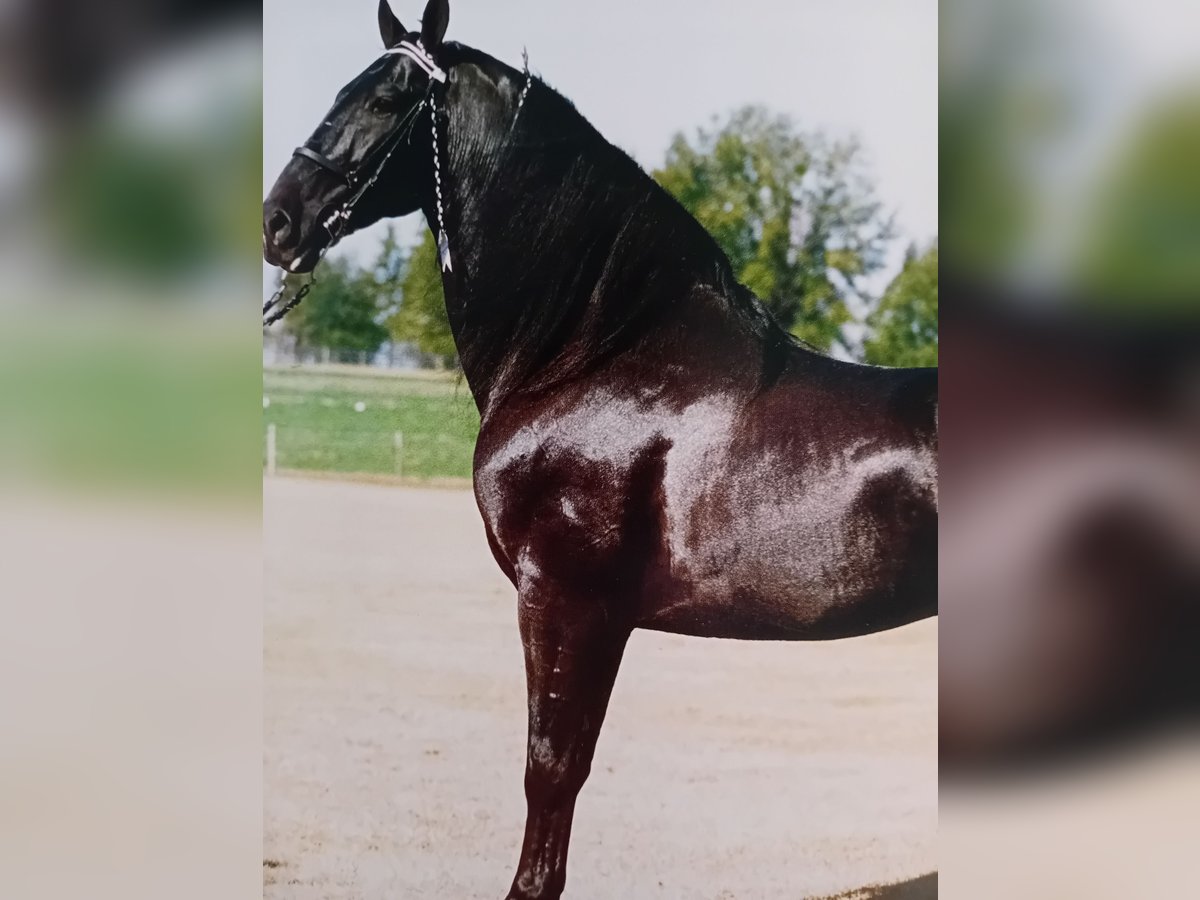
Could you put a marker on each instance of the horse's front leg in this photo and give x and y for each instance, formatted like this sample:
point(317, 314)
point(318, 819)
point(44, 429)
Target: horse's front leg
point(572, 651)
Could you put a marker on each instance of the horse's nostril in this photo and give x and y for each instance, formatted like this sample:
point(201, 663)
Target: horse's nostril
point(279, 226)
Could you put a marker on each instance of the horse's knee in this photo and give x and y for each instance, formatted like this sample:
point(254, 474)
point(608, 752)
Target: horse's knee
point(553, 774)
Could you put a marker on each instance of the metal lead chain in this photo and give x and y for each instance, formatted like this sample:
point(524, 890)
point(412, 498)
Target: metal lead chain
point(287, 307)
point(273, 311)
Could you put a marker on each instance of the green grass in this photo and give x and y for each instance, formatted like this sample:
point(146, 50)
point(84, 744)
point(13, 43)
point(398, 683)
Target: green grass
point(158, 402)
point(317, 427)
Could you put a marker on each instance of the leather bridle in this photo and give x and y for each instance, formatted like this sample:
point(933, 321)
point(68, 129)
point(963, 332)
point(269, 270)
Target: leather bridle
point(325, 163)
point(376, 161)
point(360, 178)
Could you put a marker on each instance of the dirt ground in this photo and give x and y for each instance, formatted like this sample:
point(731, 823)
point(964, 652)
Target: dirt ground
point(395, 723)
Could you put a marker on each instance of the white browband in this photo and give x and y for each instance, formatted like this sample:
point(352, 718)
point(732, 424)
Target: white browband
point(421, 57)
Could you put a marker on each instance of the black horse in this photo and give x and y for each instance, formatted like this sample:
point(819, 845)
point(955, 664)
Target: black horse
point(655, 451)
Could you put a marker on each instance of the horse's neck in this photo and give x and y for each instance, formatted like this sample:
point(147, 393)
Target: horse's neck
point(553, 251)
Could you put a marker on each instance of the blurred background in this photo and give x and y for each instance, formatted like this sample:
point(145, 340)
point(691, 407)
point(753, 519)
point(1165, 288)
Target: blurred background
point(130, 658)
point(1069, 584)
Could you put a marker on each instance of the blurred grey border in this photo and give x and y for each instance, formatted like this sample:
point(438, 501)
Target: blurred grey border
point(1069, 588)
point(130, 572)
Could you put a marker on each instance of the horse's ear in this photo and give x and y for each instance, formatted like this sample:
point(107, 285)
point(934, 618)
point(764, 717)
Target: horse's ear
point(433, 24)
point(390, 28)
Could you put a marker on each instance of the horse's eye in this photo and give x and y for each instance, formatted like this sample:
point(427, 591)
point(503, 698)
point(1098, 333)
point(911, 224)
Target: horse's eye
point(383, 104)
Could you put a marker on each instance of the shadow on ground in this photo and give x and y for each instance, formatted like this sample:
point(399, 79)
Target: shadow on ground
point(923, 887)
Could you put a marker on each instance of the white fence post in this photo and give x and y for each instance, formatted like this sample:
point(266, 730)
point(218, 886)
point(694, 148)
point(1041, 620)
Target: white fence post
point(271, 448)
point(398, 453)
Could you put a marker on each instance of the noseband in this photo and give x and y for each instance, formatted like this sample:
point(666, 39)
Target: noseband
point(326, 163)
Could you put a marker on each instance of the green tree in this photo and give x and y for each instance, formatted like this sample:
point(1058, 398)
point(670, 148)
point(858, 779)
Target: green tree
point(795, 213)
point(904, 326)
point(341, 312)
point(388, 270)
point(421, 317)
point(386, 278)
point(1140, 247)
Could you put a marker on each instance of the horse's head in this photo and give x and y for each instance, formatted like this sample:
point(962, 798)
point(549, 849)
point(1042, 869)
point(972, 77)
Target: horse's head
point(370, 134)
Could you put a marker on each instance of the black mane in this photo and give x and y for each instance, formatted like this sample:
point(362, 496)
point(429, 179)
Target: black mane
point(603, 254)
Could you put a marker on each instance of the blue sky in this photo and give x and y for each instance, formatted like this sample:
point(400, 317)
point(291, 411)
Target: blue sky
point(642, 71)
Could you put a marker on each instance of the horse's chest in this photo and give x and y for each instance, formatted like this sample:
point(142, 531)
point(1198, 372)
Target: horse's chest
point(531, 481)
point(591, 485)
